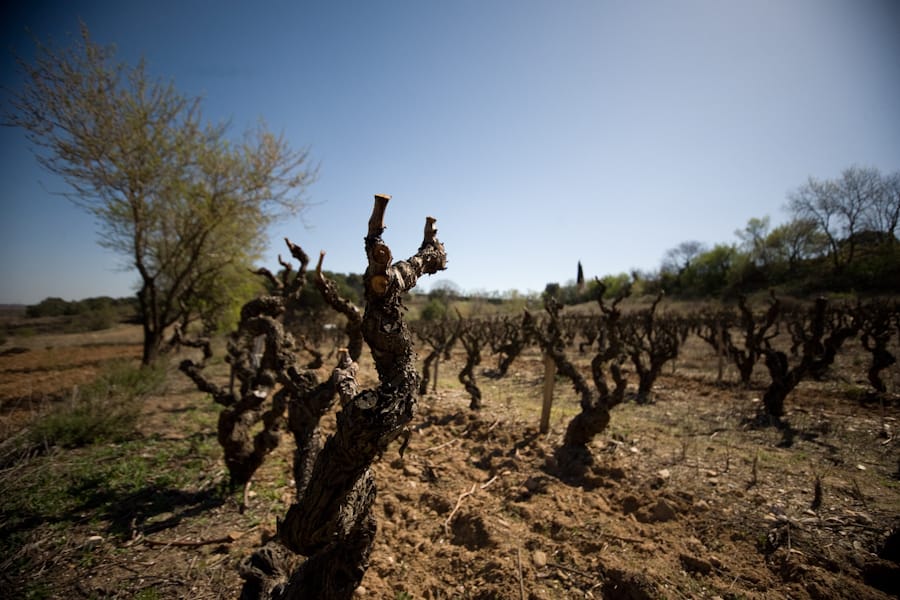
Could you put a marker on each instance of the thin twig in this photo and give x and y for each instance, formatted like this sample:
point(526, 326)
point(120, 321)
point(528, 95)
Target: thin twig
point(231, 537)
point(859, 494)
point(489, 482)
point(622, 538)
point(458, 504)
point(438, 447)
point(519, 569)
point(571, 570)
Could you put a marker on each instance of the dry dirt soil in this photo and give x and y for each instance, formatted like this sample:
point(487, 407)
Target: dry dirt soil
point(688, 499)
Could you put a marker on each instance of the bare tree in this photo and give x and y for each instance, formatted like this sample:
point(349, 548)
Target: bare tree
point(884, 214)
point(840, 209)
point(508, 338)
point(184, 207)
point(354, 316)
point(679, 258)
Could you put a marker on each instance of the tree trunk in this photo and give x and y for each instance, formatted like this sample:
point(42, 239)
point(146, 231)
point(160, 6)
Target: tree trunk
point(153, 341)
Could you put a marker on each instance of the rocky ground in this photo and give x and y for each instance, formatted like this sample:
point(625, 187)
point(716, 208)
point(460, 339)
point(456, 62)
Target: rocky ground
point(688, 498)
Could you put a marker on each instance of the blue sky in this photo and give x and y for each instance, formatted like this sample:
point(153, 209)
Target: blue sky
point(538, 133)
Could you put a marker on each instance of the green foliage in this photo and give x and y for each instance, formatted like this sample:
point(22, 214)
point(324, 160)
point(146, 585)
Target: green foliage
point(310, 312)
point(90, 314)
point(187, 207)
point(708, 273)
point(105, 410)
point(616, 285)
point(434, 310)
point(128, 485)
point(50, 307)
point(552, 290)
point(219, 306)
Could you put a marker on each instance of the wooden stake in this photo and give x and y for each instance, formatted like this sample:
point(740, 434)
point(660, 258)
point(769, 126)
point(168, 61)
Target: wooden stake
point(549, 380)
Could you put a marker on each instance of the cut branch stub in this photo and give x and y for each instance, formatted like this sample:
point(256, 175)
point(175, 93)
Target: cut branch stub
point(376, 221)
point(430, 230)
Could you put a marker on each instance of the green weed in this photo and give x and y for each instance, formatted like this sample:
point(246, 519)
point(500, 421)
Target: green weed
point(105, 410)
point(148, 594)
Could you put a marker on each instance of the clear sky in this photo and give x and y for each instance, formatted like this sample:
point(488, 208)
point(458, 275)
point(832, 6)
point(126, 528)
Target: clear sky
point(538, 133)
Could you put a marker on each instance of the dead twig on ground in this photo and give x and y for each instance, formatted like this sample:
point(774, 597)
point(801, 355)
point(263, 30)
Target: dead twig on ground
point(458, 504)
point(519, 571)
point(485, 485)
point(622, 538)
point(439, 446)
point(571, 570)
point(227, 539)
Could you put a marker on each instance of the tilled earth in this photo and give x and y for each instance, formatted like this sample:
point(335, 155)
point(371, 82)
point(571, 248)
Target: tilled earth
point(688, 498)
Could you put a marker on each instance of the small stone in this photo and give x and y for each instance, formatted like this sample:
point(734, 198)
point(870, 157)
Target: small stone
point(663, 511)
point(664, 474)
point(863, 518)
point(360, 592)
point(534, 484)
point(92, 542)
point(694, 564)
point(539, 559)
point(630, 504)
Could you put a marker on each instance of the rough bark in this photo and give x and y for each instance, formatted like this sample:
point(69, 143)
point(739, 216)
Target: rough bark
point(755, 331)
point(877, 324)
point(471, 336)
point(259, 352)
point(331, 522)
point(440, 336)
point(508, 338)
point(819, 335)
point(650, 341)
point(573, 456)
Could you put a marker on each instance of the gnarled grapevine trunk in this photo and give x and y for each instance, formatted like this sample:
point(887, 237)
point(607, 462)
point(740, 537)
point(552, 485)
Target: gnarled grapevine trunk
point(440, 336)
point(650, 341)
point(819, 335)
point(259, 352)
point(331, 523)
point(573, 457)
point(878, 322)
point(471, 336)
